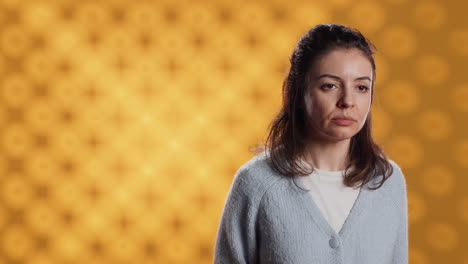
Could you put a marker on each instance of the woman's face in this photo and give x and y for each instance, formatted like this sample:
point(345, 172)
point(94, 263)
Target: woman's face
point(339, 85)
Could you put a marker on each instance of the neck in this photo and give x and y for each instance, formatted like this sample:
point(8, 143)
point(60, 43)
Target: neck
point(330, 156)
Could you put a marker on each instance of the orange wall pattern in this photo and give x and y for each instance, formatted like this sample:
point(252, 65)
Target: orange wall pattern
point(123, 122)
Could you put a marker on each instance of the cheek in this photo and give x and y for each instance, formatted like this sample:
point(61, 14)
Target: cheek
point(365, 105)
point(316, 112)
point(317, 107)
point(363, 112)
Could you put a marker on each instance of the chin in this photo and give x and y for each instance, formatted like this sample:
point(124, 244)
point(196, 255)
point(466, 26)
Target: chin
point(349, 133)
point(344, 137)
point(340, 136)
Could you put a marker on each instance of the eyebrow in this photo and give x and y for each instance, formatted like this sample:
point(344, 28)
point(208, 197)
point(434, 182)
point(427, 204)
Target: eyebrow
point(338, 78)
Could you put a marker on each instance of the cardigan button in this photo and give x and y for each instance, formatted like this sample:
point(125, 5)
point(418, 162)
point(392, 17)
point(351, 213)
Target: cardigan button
point(333, 243)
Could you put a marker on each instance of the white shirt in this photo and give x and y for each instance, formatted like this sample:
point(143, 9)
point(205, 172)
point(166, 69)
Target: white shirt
point(330, 195)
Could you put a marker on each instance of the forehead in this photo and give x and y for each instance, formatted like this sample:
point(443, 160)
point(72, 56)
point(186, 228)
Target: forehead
point(342, 62)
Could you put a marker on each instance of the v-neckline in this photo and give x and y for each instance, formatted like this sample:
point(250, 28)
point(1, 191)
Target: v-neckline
point(360, 204)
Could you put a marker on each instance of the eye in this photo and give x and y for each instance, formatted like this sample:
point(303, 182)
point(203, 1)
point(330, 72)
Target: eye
point(363, 88)
point(327, 85)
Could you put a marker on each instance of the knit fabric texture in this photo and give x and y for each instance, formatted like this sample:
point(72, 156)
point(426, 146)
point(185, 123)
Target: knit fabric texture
point(267, 219)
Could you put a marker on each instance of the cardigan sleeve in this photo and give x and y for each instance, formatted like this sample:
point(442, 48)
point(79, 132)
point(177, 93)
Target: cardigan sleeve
point(236, 236)
point(400, 251)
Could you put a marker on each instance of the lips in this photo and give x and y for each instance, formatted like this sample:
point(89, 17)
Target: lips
point(343, 121)
point(343, 118)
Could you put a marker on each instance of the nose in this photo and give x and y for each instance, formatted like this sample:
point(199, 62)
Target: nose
point(346, 100)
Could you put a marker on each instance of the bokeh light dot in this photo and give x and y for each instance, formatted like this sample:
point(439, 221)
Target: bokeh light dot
point(429, 14)
point(431, 69)
point(401, 96)
point(461, 152)
point(435, 124)
point(442, 236)
point(463, 208)
point(368, 17)
point(458, 41)
point(417, 208)
point(398, 42)
point(438, 180)
point(458, 96)
point(408, 148)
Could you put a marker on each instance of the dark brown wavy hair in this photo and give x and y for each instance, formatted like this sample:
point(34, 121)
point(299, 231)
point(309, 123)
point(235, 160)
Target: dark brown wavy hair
point(287, 134)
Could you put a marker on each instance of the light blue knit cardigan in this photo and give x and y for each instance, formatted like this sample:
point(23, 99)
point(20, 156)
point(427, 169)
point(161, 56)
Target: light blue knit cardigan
point(267, 219)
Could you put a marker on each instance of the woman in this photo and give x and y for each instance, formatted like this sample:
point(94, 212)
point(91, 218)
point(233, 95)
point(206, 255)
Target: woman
point(321, 191)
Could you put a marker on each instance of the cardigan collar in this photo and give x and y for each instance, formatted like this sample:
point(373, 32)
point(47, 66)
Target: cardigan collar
point(362, 204)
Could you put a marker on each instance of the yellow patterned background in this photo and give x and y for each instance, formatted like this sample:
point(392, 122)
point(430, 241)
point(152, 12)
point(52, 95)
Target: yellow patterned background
point(123, 122)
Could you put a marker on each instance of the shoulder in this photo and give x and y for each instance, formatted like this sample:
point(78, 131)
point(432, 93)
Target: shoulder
point(255, 177)
point(394, 183)
point(397, 176)
point(395, 187)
